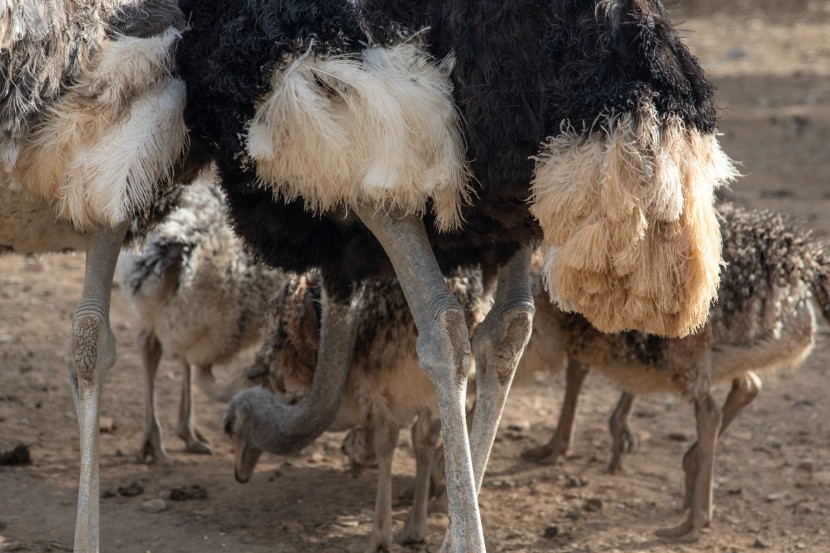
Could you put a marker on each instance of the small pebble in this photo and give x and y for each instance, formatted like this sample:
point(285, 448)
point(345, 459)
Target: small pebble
point(735, 53)
point(154, 505)
point(807, 466)
point(186, 493)
point(593, 505)
point(132, 489)
point(822, 477)
point(347, 521)
point(572, 481)
point(551, 532)
point(804, 508)
point(760, 544)
point(20, 455)
point(519, 426)
point(292, 527)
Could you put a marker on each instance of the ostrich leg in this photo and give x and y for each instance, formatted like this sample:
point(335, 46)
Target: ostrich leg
point(745, 389)
point(152, 446)
point(424, 443)
point(708, 416)
point(562, 438)
point(386, 440)
point(499, 343)
point(621, 436)
point(187, 431)
point(90, 355)
point(444, 353)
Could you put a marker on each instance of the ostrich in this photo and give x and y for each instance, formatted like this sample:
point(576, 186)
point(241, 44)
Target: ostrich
point(196, 293)
point(335, 128)
point(91, 132)
point(385, 389)
point(763, 320)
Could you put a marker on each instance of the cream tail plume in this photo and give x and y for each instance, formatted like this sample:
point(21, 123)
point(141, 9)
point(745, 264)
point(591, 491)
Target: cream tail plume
point(102, 150)
point(382, 128)
point(631, 236)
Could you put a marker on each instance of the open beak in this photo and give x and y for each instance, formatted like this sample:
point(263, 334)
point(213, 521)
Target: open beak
point(238, 466)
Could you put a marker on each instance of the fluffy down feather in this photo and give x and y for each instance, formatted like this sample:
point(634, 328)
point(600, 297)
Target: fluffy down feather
point(631, 235)
point(102, 147)
point(338, 131)
point(623, 191)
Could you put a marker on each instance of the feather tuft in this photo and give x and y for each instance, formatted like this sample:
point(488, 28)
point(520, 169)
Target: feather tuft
point(337, 131)
point(629, 223)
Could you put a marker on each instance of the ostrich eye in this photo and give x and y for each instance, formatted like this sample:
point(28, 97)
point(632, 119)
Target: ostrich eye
point(229, 425)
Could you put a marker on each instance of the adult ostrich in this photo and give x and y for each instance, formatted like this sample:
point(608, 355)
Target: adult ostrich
point(91, 128)
point(335, 131)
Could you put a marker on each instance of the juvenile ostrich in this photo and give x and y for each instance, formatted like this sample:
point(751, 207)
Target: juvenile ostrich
point(90, 129)
point(385, 389)
point(763, 320)
point(335, 130)
point(197, 294)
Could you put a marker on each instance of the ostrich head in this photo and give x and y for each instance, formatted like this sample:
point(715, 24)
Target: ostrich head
point(244, 419)
point(258, 420)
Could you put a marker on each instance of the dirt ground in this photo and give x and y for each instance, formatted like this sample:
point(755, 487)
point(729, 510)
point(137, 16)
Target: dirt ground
point(771, 63)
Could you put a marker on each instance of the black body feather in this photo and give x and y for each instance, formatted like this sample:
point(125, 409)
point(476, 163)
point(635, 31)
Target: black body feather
point(227, 59)
point(523, 68)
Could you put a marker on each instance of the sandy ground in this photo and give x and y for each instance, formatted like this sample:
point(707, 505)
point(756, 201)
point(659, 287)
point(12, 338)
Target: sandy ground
point(772, 69)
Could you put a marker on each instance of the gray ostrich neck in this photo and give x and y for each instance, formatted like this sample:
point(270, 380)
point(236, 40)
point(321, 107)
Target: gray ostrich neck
point(282, 428)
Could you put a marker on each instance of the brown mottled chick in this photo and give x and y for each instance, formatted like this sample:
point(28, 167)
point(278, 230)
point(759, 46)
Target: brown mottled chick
point(197, 294)
point(774, 274)
point(385, 389)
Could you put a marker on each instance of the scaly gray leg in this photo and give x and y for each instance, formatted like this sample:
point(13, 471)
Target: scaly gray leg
point(187, 431)
point(443, 350)
point(708, 416)
point(745, 389)
point(90, 354)
point(439, 503)
point(623, 439)
point(562, 439)
point(425, 434)
point(499, 343)
point(386, 440)
point(152, 445)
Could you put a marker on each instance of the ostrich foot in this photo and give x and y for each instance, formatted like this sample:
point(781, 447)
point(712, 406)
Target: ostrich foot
point(628, 445)
point(546, 454)
point(621, 436)
point(412, 534)
point(152, 452)
point(377, 543)
point(685, 532)
point(559, 444)
point(195, 441)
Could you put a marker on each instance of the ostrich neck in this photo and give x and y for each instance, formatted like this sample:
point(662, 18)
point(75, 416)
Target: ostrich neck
point(282, 428)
